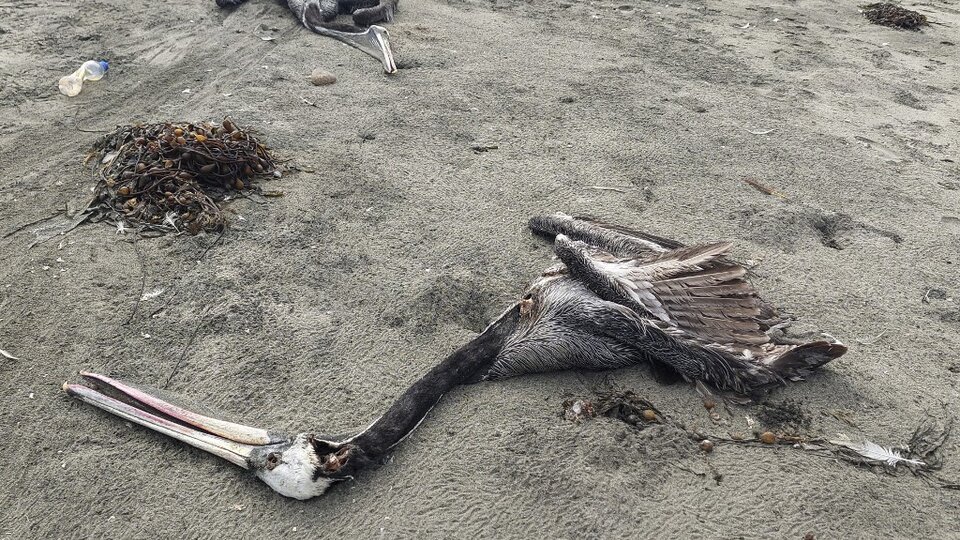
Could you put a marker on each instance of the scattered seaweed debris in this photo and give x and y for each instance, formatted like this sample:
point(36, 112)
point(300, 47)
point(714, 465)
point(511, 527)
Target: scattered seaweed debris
point(627, 407)
point(171, 177)
point(892, 15)
point(922, 455)
point(621, 405)
point(927, 442)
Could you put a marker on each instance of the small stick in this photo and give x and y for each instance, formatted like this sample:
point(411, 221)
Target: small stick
point(607, 188)
point(143, 280)
point(186, 348)
point(764, 189)
point(78, 128)
point(215, 242)
point(25, 225)
point(875, 339)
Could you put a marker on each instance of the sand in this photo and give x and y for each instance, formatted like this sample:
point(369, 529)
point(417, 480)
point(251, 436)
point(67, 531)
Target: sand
point(396, 242)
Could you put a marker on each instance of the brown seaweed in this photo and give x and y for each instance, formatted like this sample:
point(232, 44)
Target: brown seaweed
point(172, 177)
point(892, 15)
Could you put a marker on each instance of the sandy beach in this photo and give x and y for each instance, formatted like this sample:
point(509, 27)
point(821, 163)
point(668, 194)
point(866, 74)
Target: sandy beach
point(396, 241)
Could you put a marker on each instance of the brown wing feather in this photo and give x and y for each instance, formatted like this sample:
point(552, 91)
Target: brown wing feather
point(769, 314)
point(724, 312)
point(689, 290)
point(698, 289)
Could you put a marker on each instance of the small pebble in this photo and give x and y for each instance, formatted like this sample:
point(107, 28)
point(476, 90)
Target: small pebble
point(649, 415)
point(768, 437)
point(321, 77)
point(633, 419)
point(706, 445)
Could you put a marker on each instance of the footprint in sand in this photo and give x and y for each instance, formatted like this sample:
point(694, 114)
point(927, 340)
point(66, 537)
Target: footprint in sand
point(951, 222)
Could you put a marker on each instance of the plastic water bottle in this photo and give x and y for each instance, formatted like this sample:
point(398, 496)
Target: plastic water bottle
point(91, 70)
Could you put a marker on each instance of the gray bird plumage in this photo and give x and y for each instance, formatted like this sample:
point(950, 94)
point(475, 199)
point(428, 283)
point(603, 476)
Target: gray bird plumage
point(624, 297)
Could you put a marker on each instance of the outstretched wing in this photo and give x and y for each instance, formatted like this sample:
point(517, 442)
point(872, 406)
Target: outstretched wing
point(695, 295)
point(684, 289)
point(613, 242)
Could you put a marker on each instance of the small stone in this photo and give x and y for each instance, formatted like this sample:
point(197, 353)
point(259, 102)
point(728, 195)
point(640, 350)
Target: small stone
point(706, 446)
point(321, 77)
point(649, 415)
point(768, 437)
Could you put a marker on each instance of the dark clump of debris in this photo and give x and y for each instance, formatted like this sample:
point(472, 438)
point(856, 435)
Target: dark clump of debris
point(887, 14)
point(627, 407)
point(786, 415)
point(171, 177)
point(621, 405)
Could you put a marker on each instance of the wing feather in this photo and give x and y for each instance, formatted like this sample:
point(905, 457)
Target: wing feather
point(697, 298)
point(684, 288)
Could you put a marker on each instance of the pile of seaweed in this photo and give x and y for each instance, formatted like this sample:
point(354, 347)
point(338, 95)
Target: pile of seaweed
point(172, 177)
point(887, 14)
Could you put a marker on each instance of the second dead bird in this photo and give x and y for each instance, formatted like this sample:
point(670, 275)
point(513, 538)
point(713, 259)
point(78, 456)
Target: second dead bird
point(320, 17)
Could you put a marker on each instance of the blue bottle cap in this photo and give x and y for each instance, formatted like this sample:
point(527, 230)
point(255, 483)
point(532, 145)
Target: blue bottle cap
point(104, 65)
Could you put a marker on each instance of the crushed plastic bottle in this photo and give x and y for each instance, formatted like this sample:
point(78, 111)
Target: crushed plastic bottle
point(91, 70)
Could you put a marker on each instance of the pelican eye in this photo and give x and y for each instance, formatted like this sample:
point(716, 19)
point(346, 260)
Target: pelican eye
point(273, 460)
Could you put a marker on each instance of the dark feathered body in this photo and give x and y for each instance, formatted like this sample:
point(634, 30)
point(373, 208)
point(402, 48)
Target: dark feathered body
point(623, 297)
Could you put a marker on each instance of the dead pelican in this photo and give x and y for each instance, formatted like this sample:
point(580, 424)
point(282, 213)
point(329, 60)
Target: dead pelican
point(319, 15)
point(620, 297)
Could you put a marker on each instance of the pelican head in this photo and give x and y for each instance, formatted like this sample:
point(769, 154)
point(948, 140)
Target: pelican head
point(300, 467)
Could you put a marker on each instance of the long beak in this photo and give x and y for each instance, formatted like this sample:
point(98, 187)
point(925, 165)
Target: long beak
point(375, 41)
point(235, 443)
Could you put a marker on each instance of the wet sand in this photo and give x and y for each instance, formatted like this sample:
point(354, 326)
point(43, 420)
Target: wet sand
point(396, 242)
